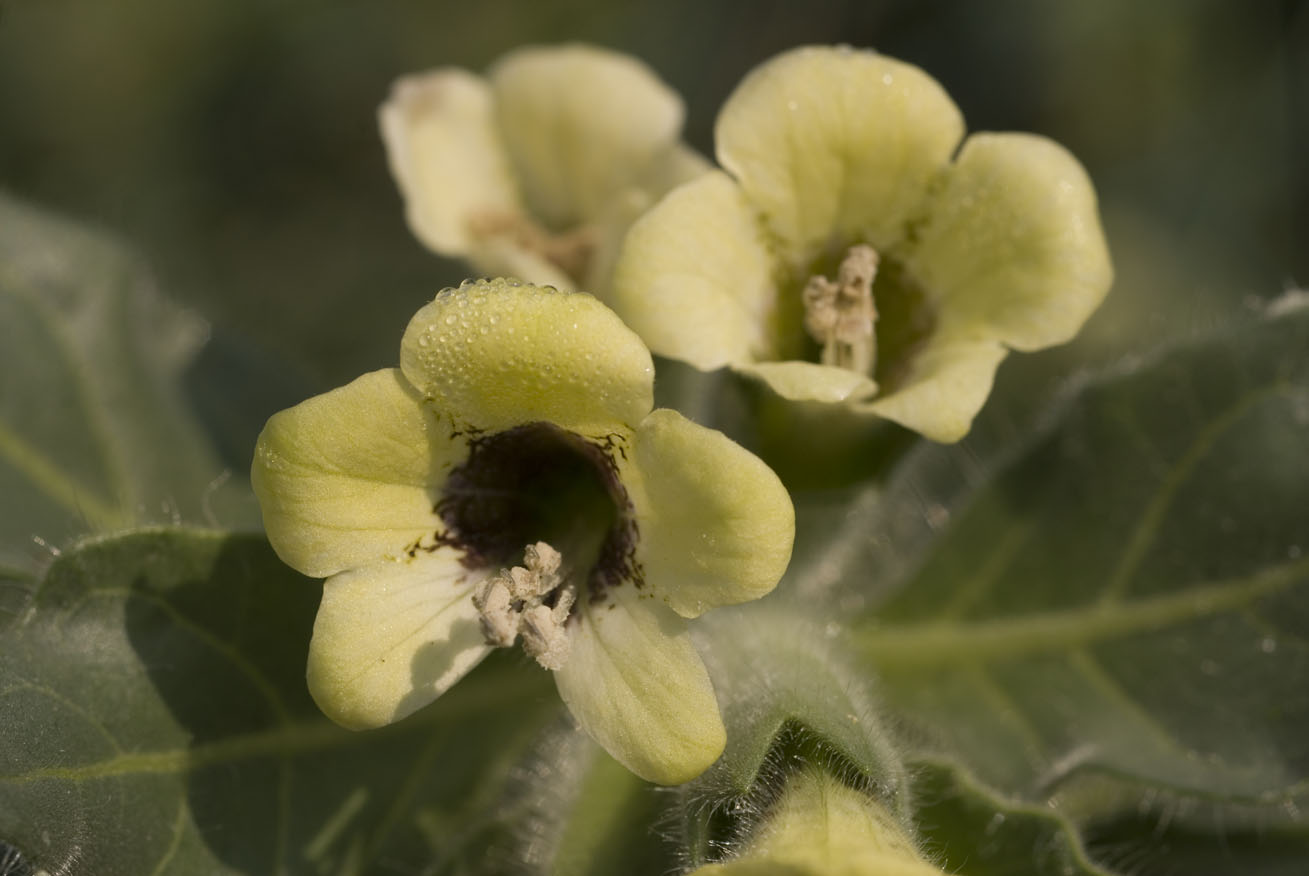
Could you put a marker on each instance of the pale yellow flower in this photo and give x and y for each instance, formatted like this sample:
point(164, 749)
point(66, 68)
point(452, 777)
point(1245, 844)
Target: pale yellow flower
point(511, 480)
point(853, 252)
point(536, 170)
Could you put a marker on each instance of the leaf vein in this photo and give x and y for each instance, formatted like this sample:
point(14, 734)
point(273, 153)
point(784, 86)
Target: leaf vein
point(935, 643)
point(1153, 515)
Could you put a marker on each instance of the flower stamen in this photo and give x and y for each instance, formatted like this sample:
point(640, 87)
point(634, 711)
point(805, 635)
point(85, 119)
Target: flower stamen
point(514, 603)
point(840, 315)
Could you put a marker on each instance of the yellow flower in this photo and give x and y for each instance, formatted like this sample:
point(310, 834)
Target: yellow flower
point(850, 255)
point(537, 170)
point(509, 481)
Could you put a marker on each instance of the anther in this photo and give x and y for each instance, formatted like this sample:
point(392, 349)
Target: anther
point(513, 603)
point(840, 315)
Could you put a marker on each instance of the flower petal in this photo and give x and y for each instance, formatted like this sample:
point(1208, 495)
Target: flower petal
point(348, 477)
point(504, 255)
point(635, 683)
point(809, 381)
point(836, 145)
point(716, 525)
point(679, 165)
point(1013, 244)
point(393, 636)
point(695, 277)
point(447, 157)
point(951, 379)
point(496, 354)
point(581, 124)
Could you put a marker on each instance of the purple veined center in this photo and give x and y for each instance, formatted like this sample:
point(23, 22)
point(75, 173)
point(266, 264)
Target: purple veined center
point(538, 482)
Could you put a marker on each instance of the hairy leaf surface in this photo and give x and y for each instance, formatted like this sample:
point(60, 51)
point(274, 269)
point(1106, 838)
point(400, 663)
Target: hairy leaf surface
point(157, 721)
point(1119, 611)
point(95, 435)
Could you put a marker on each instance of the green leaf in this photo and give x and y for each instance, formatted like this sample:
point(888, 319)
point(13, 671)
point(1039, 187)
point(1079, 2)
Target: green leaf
point(973, 831)
point(1117, 611)
point(157, 721)
point(94, 433)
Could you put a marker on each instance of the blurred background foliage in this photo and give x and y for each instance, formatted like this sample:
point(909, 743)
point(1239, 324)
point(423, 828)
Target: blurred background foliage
point(234, 142)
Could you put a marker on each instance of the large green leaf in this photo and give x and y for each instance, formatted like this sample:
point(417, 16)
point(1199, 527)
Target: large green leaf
point(95, 435)
point(1117, 614)
point(156, 720)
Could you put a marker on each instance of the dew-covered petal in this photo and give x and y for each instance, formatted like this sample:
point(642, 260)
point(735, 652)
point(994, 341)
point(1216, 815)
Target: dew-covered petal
point(948, 385)
point(350, 476)
point(835, 145)
point(1013, 243)
point(581, 124)
point(696, 279)
point(393, 636)
point(496, 354)
point(715, 523)
point(809, 381)
point(636, 684)
point(447, 157)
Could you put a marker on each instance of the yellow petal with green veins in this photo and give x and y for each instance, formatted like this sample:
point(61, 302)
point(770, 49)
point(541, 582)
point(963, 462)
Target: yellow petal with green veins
point(716, 524)
point(696, 278)
point(836, 145)
point(1013, 245)
point(350, 476)
point(581, 124)
point(447, 157)
point(635, 683)
point(495, 354)
point(392, 636)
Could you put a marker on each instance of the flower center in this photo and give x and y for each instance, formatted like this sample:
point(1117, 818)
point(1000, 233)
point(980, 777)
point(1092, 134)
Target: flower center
point(873, 318)
point(840, 315)
point(570, 250)
point(559, 494)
